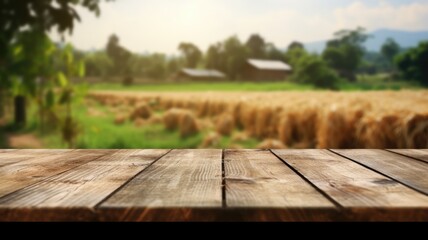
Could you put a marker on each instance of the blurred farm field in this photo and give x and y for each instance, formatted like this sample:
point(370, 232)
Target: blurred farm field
point(106, 127)
point(246, 119)
point(363, 83)
point(323, 119)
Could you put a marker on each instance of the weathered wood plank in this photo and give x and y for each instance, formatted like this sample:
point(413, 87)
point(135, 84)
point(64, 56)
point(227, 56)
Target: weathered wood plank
point(257, 178)
point(42, 165)
point(7, 150)
point(84, 186)
point(351, 185)
point(141, 185)
point(15, 156)
point(421, 154)
point(181, 179)
point(406, 170)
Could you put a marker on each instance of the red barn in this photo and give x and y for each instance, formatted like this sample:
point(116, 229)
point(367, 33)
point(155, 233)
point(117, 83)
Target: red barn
point(265, 70)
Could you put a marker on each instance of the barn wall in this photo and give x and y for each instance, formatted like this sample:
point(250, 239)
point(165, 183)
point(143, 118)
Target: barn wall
point(254, 74)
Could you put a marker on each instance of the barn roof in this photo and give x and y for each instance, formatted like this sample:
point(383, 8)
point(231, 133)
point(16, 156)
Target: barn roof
point(269, 64)
point(203, 73)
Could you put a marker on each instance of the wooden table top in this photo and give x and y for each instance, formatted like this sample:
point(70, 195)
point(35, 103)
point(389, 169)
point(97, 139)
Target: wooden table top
point(213, 185)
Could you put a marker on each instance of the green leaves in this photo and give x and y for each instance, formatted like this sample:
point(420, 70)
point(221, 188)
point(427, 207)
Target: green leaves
point(81, 69)
point(62, 80)
point(50, 99)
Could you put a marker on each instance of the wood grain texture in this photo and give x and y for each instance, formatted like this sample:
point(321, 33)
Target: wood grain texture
point(33, 168)
point(186, 185)
point(421, 154)
point(350, 184)
point(84, 186)
point(257, 178)
point(15, 156)
point(182, 178)
point(406, 170)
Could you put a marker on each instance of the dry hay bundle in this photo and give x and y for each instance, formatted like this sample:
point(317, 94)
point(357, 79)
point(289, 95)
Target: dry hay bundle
point(416, 131)
point(362, 119)
point(337, 129)
point(239, 137)
point(202, 109)
point(142, 111)
point(225, 124)
point(248, 119)
point(262, 122)
point(155, 119)
point(119, 119)
point(212, 140)
point(138, 122)
point(381, 132)
point(94, 112)
point(298, 123)
point(188, 124)
point(171, 118)
point(182, 119)
point(236, 110)
point(271, 144)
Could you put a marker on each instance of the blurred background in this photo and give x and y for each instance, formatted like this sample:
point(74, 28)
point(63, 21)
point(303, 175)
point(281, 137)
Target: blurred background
point(213, 74)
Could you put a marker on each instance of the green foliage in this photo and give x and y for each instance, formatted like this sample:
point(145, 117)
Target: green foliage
point(345, 52)
point(119, 56)
point(98, 64)
point(274, 53)
point(235, 56)
point(413, 63)
point(228, 57)
point(390, 49)
point(295, 45)
point(191, 53)
point(27, 63)
point(311, 69)
point(256, 46)
point(293, 55)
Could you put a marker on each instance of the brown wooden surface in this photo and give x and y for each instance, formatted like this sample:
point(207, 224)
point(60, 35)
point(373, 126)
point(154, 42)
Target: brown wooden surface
point(211, 185)
point(409, 171)
point(420, 154)
point(257, 178)
point(41, 165)
point(183, 178)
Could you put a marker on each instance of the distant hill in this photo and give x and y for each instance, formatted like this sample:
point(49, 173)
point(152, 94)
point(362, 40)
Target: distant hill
point(404, 38)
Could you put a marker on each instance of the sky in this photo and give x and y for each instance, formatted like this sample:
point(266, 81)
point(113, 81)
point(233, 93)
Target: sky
point(160, 25)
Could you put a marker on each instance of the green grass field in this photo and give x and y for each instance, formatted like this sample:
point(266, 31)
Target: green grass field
point(204, 86)
point(363, 83)
point(101, 132)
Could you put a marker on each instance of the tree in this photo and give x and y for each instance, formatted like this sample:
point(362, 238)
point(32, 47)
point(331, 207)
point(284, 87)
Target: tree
point(295, 45)
point(214, 57)
point(413, 63)
point(345, 52)
point(120, 57)
point(38, 17)
point(390, 49)
point(191, 53)
point(174, 64)
point(234, 56)
point(98, 64)
point(156, 66)
point(313, 70)
point(257, 46)
point(274, 53)
point(293, 55)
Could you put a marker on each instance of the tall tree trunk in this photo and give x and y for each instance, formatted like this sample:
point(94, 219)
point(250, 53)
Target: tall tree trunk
point(20, 110)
